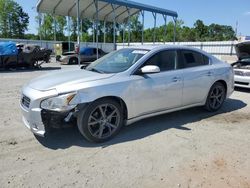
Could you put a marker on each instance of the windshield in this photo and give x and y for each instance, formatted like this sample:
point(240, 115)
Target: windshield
point(117, 61)
point(246, 60)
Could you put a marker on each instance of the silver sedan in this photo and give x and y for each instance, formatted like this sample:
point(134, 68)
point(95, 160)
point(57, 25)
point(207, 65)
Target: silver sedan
point(123, 87)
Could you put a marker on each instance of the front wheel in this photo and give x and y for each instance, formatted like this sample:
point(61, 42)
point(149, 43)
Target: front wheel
point(101, 120)
point(73, 61)
point(216, 97)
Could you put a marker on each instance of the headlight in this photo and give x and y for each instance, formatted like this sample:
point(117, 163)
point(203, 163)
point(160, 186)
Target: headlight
point(59, 103)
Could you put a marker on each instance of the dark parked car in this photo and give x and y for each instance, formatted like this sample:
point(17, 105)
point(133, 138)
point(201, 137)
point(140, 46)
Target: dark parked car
point(19, 55)
point(88, 54)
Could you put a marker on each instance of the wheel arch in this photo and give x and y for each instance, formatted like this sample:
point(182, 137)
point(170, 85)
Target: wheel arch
point(223, 82)
point(220, 81)
point(118, 100)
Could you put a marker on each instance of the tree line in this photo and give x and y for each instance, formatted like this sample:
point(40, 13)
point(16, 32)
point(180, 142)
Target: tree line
point(14, 24)
point(13, 20)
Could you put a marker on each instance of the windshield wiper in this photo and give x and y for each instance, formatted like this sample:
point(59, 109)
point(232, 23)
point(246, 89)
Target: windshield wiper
point(95, 70)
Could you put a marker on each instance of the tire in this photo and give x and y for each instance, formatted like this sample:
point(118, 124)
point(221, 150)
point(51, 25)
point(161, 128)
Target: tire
point(216, 97)
point(73, 61)
point(58, 58)
point(101, 120)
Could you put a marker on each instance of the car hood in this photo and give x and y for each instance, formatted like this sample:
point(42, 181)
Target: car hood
point(243, 50)
point(65, 78)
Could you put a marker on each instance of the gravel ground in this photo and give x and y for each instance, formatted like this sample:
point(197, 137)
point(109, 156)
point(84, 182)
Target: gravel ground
point(190, 148)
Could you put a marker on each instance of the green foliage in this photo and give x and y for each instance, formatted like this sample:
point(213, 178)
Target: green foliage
point(49, 26)
point(60, 27)
point(73, 26)
point(199, 32)
point(31, 36)
point(13, 20)
point(220, 32)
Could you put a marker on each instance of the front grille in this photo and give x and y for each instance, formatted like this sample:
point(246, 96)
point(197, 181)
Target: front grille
point(247, 73)
point(239, 73)
point(25, 101)
point(242, 83)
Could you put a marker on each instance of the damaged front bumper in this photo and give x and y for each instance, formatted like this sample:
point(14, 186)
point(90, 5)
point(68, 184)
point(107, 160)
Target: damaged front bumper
point(33, 121)
point(41, 121)
point(57, 120)
point(38, 120)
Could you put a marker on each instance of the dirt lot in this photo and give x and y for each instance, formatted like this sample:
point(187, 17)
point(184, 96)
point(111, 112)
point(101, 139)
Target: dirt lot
point(190, 148)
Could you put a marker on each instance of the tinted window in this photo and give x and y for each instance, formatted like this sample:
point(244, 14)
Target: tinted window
point(99, 51)
point(193, 59)
point(206, 60)
point(165, 60)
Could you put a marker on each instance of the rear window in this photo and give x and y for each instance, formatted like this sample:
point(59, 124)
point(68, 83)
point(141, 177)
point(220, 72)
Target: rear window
point(193, 59)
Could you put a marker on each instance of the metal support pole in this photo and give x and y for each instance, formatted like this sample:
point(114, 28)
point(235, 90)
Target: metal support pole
point(175, 29)
point(104, 32)
point(69, 33)
point(129, 27)
point(165, 28)
point(123, 35)
point(54, 19)
point(78, 31)
point(114, 27)
point(97, 29)
point(93, 27)
point(154, 37)
point(40, 31)
point(142, 32)
point(81, 30)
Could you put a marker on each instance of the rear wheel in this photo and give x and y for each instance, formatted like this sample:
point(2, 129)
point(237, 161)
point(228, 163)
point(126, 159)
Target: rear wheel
point(101, 120)
point(216, 97)
point(73, 61)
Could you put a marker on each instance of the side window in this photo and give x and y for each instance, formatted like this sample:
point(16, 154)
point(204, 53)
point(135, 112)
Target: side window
point(206, 60)
point(168, 60)
point(165, 60)
point(193, 59)
point(153, 60)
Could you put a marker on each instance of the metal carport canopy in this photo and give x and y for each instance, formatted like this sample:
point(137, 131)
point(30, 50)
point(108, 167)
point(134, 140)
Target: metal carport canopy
point(123, 9)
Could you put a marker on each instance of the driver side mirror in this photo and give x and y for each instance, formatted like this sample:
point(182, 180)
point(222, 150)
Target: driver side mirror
point(149, 69)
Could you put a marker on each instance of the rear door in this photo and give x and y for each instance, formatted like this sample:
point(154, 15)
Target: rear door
point(197, 75)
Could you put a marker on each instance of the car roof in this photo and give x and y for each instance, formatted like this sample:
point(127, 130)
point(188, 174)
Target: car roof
point(165, 47)
point(87, 48)
point(156, 47)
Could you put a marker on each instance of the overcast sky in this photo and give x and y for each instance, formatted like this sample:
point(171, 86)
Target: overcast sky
point(226, 12)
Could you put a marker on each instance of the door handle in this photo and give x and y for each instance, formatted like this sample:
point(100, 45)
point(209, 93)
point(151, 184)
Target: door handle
point(209, 73)
point(176, 79)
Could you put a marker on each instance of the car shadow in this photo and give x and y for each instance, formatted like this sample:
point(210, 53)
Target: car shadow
point(65, 138)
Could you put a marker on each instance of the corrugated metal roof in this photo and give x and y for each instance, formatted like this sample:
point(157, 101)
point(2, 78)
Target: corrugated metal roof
point(88, 9)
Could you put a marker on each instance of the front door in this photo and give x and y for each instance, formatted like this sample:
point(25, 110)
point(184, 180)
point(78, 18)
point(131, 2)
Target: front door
point(159, 91)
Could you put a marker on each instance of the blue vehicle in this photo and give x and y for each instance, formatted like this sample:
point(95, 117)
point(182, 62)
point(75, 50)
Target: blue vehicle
point(8, 53)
